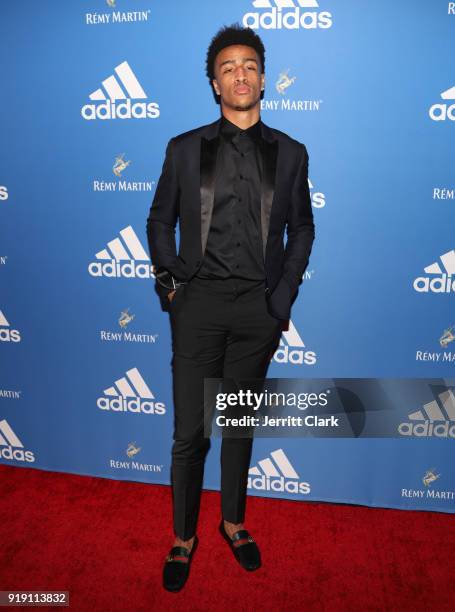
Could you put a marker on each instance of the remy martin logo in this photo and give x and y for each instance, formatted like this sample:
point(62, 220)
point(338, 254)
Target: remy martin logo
point(116, 16)
point(120, 164)
point(284, 81)
point(125, 318)
point(285, 103)
point(132, 449)
point(429, 493)
point(447, 337)
point(429, 477)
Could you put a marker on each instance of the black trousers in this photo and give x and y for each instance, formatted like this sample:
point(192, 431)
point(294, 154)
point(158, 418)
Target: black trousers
point(220, 328)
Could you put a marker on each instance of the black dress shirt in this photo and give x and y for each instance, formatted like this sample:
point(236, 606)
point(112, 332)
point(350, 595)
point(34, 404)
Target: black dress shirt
point(234, 243)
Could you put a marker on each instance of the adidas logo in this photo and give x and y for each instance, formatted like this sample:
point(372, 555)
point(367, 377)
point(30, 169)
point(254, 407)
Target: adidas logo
point(130, 394)
point(11, 447)
point(291, 349)
point(442, 283)
point(6, 333)
point(437, 418)
point(441, 112)
point(130, 251)
point(288, 14)
point(317, 197)
point(107, 107)
point(277, 475)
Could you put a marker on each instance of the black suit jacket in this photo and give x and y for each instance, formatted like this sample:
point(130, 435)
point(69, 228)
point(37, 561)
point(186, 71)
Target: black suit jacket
point(185, 192)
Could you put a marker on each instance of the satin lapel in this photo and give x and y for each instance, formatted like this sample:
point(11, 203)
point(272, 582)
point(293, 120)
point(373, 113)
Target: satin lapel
point(269, 154)
point(209, 150)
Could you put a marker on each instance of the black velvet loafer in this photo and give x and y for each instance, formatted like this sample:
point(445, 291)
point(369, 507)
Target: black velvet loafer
point(177, 567)
point(244, 548)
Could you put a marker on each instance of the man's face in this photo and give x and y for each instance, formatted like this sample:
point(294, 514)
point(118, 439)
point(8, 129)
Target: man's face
point(238, 77)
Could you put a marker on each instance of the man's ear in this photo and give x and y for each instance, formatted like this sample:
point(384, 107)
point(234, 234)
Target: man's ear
point(215, 87)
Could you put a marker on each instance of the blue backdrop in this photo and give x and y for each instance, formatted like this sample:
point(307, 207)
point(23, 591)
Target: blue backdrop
point(92, 92)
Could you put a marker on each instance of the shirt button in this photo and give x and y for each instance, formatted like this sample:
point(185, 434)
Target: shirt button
point(238, 243)
point(240, 199)
point(241, 177)
point(242, 154)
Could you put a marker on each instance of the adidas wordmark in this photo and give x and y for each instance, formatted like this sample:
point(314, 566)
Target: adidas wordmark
point(110, 108)
point(435, 419)
point(10, 445)
point(287, 14)
point(291, 349)
point(6, 333)
point(443, 111)
point(128, 250)
point(130, 394)
point(441, 279)
point(276, 473)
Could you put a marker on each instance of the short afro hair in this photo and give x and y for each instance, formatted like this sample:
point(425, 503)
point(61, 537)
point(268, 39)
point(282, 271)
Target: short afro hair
point(234, 34)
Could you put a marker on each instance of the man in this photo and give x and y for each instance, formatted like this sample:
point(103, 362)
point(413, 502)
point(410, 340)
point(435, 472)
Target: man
point(234, 186)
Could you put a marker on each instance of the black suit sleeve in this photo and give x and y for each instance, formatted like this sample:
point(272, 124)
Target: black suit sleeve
point(300, 227)
point(162, 221)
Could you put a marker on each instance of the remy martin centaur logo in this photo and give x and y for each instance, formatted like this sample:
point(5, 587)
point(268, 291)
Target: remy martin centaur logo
point(132, 451)
point(285, 102)
point(116, 16)
point(447, 337)
point(445, 342)
point(431, 490)
point(121, 184)
point(124, 257)
point(126, 334)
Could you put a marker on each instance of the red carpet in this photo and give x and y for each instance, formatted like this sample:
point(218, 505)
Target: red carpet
point(105, 541)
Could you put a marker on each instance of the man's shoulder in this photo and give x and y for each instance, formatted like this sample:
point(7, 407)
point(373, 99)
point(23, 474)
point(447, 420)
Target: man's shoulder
point(284, 138)
point(196, 133)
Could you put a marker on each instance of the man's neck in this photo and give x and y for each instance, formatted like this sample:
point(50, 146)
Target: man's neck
point(242, 119)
